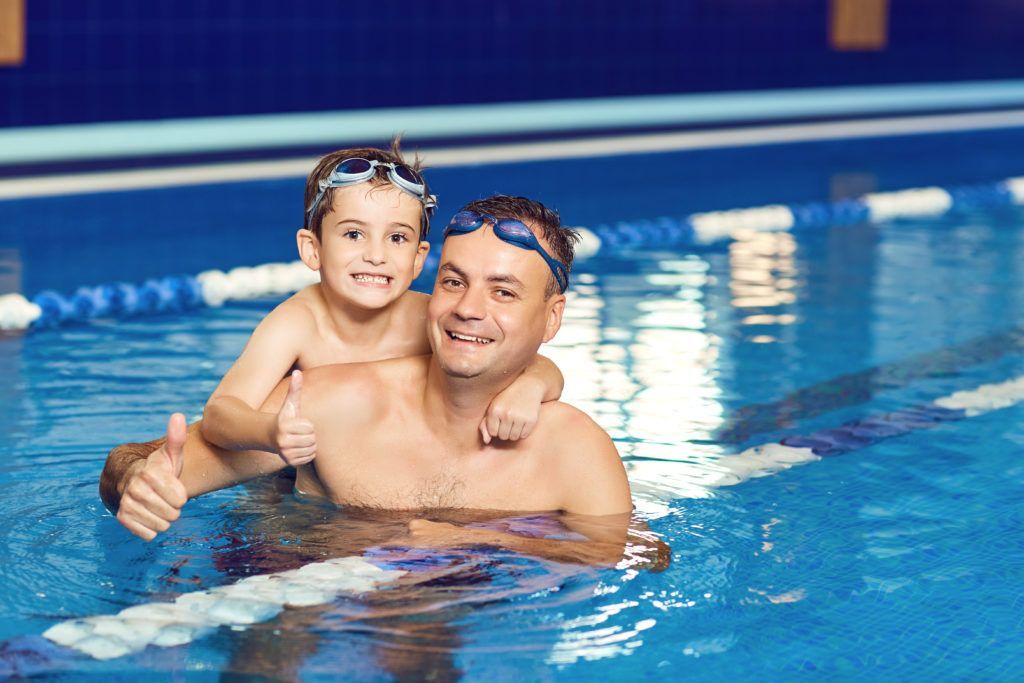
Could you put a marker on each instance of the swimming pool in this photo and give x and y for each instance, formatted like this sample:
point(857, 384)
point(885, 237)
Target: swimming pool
point(900, 557)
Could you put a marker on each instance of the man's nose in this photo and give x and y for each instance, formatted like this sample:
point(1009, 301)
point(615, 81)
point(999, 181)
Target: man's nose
point(471, 305)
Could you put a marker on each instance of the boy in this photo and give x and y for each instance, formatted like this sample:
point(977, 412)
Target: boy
point(366, 220)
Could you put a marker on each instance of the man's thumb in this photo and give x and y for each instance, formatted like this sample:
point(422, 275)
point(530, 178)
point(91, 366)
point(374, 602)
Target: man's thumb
point(176, 432)
point(291, 401)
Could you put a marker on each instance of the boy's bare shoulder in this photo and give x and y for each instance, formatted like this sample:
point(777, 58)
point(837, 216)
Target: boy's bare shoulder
point(361, 388)
point(301, 310)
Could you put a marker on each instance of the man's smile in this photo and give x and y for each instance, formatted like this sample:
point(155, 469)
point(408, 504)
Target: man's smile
point(460, 337)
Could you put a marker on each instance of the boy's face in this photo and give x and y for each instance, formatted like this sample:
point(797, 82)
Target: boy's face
point(369, 250)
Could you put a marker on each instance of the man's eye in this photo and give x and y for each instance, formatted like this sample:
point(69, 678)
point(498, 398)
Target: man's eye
point(505, 294)
point(451, 282)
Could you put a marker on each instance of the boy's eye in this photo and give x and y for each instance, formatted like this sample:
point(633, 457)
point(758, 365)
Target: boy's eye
point(398, 238)
point(351, 234)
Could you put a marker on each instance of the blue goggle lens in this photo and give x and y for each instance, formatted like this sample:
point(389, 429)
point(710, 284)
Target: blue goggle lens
point(354, 166)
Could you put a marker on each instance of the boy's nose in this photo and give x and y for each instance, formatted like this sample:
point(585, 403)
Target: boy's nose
point(374, 254)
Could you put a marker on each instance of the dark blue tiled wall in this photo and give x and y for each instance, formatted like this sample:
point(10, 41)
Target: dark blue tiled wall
point(95, 60)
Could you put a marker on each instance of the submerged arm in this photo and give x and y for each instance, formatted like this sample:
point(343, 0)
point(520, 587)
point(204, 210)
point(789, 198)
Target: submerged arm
point(605, 548)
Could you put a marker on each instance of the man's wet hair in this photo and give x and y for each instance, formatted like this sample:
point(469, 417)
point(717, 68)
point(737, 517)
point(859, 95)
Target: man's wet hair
point(561, 241)
point(326, 166)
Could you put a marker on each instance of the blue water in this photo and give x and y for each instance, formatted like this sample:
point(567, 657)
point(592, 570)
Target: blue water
point(902, 560)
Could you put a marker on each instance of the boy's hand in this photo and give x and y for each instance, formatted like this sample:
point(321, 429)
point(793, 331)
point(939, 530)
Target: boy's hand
point(154, 495)
point(514, 412)
point(295, 438)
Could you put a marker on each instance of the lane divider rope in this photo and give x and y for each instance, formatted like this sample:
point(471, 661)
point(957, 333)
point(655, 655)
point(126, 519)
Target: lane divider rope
point(759, 461)
point(252, 600)
point(214, 287)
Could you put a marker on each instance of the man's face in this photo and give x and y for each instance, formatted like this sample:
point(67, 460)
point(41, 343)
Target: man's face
point(369, 250)
point(488, 314)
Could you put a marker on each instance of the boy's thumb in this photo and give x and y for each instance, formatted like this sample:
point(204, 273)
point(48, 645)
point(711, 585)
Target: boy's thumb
point(175, 446)
point(291, 401)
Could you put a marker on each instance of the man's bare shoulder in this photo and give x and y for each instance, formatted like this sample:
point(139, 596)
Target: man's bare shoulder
point(571, 426)
point(581, 455)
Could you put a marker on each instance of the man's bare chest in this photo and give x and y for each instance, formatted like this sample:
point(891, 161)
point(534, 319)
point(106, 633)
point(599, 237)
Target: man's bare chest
point(397, 474)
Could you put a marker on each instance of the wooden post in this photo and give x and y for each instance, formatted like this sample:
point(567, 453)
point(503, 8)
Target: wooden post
point(859, 24)
point(12, 32)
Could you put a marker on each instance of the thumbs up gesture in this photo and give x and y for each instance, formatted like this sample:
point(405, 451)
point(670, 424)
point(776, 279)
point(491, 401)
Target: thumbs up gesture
point(294, 438)
point(154, 496)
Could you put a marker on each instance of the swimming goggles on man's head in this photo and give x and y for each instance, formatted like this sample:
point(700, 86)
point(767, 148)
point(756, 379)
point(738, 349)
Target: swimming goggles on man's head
point(511, 231)
point(358, 170)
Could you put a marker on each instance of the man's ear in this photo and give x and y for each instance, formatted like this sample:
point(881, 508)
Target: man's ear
point(556, 306)
point(421, 258)
point(309, 248)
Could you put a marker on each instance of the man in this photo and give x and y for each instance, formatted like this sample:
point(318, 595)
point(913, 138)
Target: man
point(404, 433)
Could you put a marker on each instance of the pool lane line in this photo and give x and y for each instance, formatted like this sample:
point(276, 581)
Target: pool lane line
point(213, 288)
point(547, 150)
point(249, 601)
point(276, 131)
point(707, 228)
point(860, 387)
point(854, 435)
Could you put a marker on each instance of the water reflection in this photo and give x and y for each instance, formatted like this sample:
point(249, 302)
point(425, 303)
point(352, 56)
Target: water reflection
point(638, 356)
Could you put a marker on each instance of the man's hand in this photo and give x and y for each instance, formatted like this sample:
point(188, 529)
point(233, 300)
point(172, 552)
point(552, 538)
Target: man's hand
point(154, 496)
point(295, 438)
point(514, 412)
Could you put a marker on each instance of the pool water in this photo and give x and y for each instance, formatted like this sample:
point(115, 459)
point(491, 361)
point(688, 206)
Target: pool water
point(902, 559)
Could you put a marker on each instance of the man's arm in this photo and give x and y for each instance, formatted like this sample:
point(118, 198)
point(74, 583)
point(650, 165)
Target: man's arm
point(148, 484)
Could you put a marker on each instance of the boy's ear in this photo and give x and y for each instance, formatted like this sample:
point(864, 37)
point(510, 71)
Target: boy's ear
point(421, 258)
point(554, 317)
point(309, 248)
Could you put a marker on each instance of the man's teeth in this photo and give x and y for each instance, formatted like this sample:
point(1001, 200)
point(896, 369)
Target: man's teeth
point(376, 279)
point(466, 337)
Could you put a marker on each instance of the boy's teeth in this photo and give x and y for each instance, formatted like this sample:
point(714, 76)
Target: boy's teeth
point(377, 279)
point(466, 337)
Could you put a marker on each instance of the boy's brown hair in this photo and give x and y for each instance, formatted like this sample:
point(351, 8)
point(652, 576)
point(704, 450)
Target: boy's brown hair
point(326, 166)
point(561, 240)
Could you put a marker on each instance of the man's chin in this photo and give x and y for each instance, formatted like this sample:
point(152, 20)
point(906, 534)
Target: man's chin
point(460, 370)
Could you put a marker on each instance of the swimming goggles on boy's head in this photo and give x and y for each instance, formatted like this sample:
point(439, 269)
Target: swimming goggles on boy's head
point(358, 170)
point(512, 231)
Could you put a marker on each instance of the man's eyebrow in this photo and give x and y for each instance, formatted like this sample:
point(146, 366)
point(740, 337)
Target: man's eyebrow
point(455, 269)
point(502, 278)
point(507, 279)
